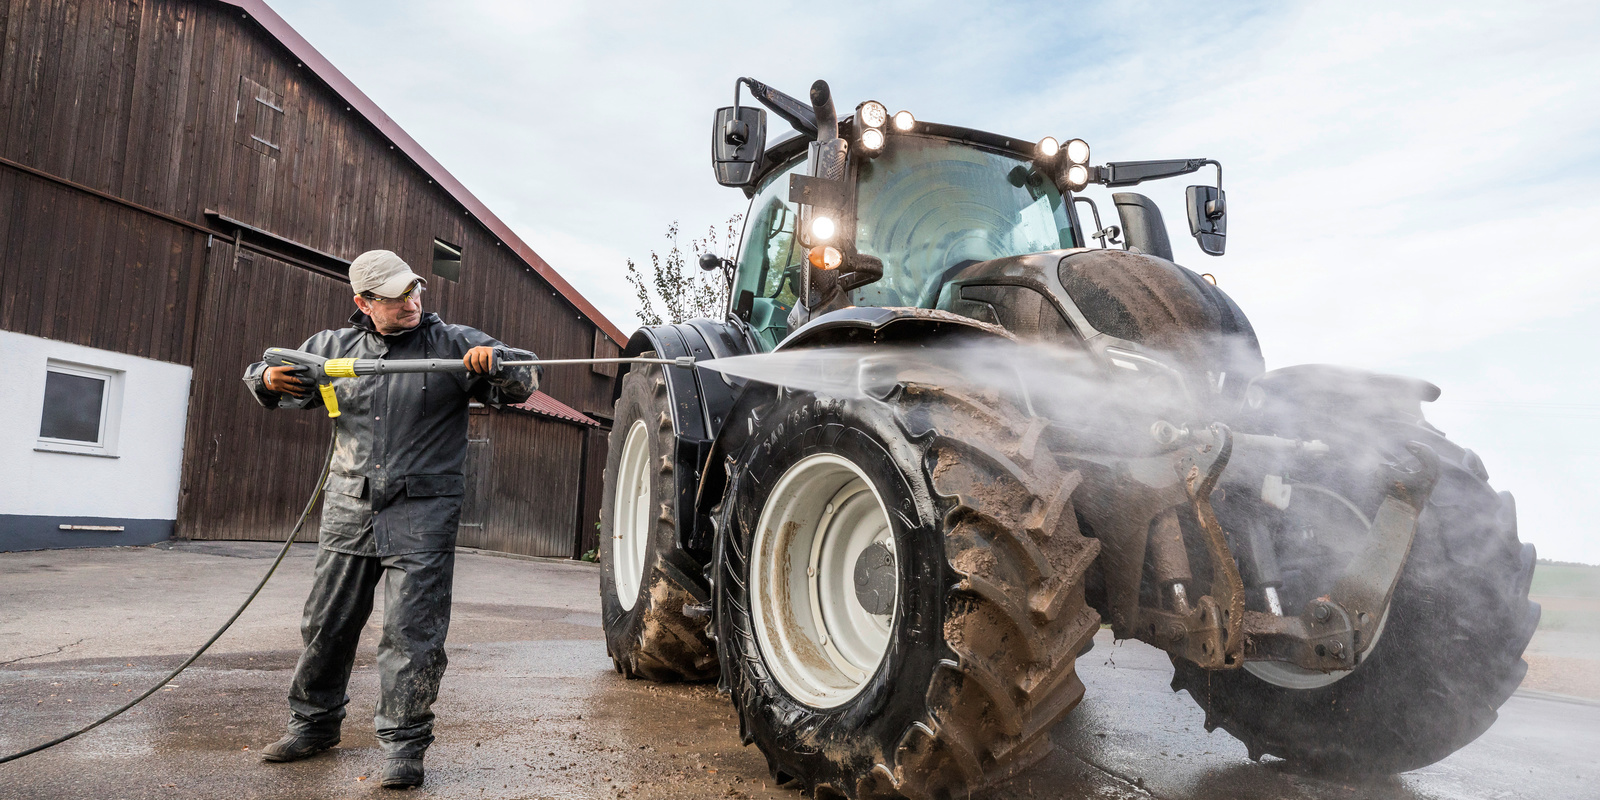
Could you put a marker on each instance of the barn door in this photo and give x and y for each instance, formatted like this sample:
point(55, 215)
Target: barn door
point(480, 479)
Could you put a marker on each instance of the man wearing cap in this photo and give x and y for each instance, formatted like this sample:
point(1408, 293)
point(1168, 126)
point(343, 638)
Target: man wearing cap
point(390, 509)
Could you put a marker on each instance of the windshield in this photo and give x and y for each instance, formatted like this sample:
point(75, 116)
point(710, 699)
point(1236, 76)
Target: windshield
point(928, 205)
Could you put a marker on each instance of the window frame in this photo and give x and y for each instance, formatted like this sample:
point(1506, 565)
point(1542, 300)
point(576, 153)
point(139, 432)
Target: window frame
point(110, 411)
point(452, 249)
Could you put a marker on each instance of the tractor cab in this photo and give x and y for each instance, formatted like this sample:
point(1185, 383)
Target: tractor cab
point(885, 210)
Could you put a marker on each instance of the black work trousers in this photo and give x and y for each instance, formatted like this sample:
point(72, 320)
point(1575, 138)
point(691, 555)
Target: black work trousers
point(411, 658)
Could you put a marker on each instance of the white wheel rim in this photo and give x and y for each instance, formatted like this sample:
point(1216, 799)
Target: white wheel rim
point(630, 519)
point(1291, 676)
point(821, 643)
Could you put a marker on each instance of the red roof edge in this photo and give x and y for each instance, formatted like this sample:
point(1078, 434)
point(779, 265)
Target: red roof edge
point(358, 101)
point(545, 405)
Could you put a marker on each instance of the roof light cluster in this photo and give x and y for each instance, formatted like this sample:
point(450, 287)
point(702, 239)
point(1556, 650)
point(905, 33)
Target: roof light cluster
point(874, 121)
point(1076, 172)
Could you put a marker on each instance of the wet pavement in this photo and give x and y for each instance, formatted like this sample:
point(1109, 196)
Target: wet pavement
point(531, 708)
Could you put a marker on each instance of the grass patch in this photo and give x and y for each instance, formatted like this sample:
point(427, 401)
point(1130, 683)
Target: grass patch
point(1570, 621)
point(1566, 580)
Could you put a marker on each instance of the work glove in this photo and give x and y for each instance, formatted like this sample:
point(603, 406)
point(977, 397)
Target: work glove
point(286, 380)
point(482, 360)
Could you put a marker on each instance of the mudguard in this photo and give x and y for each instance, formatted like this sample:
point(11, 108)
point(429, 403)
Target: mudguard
point(886, 325)
point(700, 402)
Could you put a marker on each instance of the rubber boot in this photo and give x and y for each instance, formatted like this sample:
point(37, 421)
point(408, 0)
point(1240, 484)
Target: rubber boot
point(297, 746)
point(402, 773)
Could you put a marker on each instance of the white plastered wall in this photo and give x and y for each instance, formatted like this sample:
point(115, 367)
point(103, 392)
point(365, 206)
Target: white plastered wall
point(139, 482)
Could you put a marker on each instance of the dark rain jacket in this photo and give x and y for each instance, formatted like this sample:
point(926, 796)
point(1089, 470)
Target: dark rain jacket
point(396, 483)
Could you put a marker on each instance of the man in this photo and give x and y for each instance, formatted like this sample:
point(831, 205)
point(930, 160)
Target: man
point(390, 509)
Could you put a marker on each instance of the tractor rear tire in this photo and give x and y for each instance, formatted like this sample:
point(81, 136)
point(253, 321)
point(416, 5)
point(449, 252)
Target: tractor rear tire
point(977, 652)
point(646, 579)
point(1447, 656)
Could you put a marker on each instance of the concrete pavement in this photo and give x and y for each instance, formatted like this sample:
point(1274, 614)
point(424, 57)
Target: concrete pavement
point(532, 709)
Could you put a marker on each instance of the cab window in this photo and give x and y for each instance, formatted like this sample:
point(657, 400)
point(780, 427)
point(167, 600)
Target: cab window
point(769, 262)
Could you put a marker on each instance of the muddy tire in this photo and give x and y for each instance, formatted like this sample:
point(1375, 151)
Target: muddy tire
point(646, 579)
point(1447, 656)
point(976, 645)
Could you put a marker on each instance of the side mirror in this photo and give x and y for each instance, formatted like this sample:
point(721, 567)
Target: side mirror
point(1208, 218)
point(1142, 224)
point(738, 140)
point(711, 261)
point(860, 270)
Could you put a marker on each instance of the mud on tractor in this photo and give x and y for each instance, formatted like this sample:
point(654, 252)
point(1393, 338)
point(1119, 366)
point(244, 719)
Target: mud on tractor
point(892, 581)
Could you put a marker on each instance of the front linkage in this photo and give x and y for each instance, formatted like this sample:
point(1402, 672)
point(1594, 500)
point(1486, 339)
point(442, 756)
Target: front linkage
point(1136, 507)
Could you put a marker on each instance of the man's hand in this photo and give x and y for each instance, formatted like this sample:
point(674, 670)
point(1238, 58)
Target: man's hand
point(480, 360)
point(283, 380)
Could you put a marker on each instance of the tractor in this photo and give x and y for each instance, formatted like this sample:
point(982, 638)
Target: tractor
point(1042, 428)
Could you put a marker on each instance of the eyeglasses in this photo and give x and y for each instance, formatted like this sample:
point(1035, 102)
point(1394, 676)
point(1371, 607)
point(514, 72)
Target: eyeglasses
point(415, 290)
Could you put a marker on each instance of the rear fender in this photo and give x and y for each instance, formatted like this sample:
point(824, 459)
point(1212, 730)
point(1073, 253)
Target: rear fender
point(1309, 400)
point(887, 325)
point(700, 402)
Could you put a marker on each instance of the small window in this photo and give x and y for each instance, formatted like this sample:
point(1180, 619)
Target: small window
point(80, 409)
point(604, 347)
point(258, 118)
point(446, 260)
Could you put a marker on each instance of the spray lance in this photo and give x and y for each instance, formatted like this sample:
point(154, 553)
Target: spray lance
point(322, 371)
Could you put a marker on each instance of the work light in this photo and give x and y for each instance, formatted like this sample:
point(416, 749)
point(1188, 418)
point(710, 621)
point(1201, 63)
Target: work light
point(821, 228)
point(1078, 151)
point(1048, 147)
point(1077, 177)
point(903, 121)
point(872, 139)
point(872, 114)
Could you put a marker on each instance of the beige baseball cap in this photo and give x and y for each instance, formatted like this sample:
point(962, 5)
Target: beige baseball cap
point(382, 273)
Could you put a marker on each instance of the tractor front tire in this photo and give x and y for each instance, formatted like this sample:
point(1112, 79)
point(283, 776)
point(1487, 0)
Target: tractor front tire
point(901, 596)
point(646, 579)
point(1448, 654)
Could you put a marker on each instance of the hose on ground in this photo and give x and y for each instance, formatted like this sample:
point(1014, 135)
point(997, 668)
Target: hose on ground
point(304, 513)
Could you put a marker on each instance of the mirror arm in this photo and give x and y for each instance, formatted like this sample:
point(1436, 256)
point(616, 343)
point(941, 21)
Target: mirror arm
point(1216, 208)
point(1130, 173)
point(793, 111)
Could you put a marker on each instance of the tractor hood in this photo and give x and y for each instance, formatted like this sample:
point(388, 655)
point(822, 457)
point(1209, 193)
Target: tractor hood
point(1114, 301)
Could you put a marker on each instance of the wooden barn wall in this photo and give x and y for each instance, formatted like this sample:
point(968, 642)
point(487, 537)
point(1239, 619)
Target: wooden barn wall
point(140, 99)
point(82, 270)
point(248, 470)
point(531, 508)
point(588, 536)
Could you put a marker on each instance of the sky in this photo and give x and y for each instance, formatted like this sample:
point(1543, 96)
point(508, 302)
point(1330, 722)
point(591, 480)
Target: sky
point(1411, 186)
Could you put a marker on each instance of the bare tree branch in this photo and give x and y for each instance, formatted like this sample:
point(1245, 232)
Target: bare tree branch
point(684, 292)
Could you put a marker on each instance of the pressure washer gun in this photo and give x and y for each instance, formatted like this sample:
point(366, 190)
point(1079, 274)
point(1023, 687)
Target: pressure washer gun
point(322, 371)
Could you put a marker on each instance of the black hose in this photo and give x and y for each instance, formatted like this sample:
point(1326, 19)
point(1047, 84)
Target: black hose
point(327, 464)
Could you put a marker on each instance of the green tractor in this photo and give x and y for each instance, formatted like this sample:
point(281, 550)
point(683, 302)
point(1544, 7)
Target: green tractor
point(1041, 426)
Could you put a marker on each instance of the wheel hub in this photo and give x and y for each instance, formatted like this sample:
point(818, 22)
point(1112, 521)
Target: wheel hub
point(875, 579)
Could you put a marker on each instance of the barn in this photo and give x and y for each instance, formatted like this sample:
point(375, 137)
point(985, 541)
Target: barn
point(183, 184)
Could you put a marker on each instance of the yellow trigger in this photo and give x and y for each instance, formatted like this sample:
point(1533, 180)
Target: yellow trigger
point(329, 399)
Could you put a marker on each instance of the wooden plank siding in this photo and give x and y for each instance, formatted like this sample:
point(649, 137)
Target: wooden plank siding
point(141, 99)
